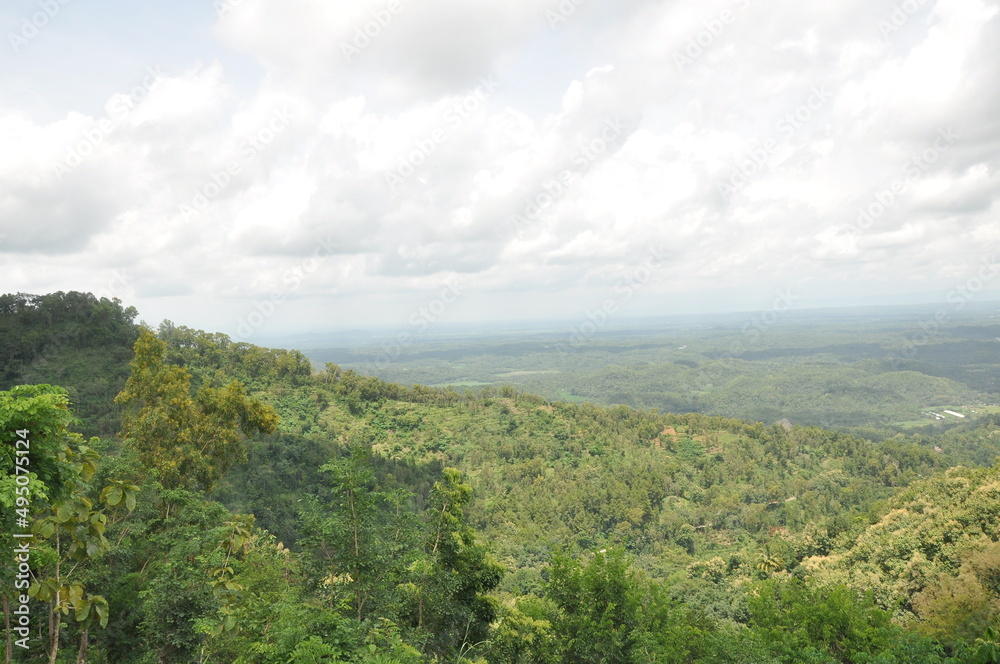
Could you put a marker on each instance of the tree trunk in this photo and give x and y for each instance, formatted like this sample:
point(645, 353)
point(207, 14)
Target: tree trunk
point(54, 625)
point(6, 624)
point(357, 553)
point(54, 650)
point(55, 620)
point(81, 654)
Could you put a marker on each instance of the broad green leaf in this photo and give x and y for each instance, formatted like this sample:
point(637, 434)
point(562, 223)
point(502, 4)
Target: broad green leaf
point(64, 512)
point(101, 608)
point(112, 495)
point(82, 609)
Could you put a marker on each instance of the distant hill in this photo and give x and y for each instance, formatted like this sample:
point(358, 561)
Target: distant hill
point(871, 371)
point(73, 340)
point(688, 532)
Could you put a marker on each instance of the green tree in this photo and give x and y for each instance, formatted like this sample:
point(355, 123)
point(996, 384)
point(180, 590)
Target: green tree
point(174, 562)
point(359, 539)
point(836, 622)
point(68, 531)
point(769, 562)
point(965, 605)
point(454, 575)
point(268, 615)
point(597, 607)
point(75, 532)
point(42, 464)
point(524, 634)
point(187, 438)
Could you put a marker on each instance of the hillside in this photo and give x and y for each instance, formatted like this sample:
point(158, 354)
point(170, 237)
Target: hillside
point(69, 339)
point(336, 517)
point(850, 369)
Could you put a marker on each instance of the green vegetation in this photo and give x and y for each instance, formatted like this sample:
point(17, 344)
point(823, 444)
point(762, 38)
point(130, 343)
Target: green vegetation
point(247, 509)
point(875, 372)
point(73, 340)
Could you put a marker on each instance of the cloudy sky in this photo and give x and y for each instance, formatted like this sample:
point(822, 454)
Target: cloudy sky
point(264, 167)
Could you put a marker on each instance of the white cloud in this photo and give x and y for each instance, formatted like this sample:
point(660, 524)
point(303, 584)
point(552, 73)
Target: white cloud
point(408, 161)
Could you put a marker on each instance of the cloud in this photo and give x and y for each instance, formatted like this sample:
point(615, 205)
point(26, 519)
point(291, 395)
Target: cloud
point(539, 159)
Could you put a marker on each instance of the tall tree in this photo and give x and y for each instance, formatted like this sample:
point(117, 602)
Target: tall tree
point(187, 438)
point(455, 574)
point(37, 455)
point(67, 531)
point(597, 604)
point(361, 537)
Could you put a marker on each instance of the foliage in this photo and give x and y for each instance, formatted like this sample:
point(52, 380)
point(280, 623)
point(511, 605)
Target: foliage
point(42, 413)
point(932, 551)
point(838, 369)
point(605, 611)
point(360, 538)
point(74, 340)
point(67, 525)
point(188, 440)
point(455, 573)
point(379, 522)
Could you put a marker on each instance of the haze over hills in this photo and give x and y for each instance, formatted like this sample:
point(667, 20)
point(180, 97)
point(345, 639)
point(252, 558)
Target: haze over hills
point(885, 368)
point(297, 513)
point(520, 332)
point(882, 314)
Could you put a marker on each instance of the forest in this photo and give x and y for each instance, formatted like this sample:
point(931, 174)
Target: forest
point(171, 495)
point(876, 371)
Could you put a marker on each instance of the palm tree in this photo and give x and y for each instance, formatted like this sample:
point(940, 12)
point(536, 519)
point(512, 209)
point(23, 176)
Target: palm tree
point(769, 562)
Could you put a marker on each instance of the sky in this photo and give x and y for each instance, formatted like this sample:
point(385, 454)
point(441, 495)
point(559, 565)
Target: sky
point(266, 167)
